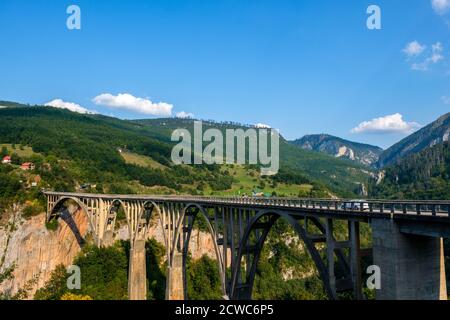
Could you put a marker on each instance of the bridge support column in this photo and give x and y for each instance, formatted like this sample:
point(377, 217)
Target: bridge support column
point(412, 267)
point(108, 238)
point(137, 277)
point(175, 286)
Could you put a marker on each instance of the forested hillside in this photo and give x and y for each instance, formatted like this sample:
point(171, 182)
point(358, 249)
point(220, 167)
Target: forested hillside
point(436, 132)
point(423, 175)
point(120, 156)
point(343, 177)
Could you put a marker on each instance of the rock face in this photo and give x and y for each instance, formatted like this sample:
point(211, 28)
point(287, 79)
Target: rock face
point(340, 148)
point(36, 251)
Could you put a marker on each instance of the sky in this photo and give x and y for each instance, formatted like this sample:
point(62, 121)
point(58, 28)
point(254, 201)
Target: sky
point(302, 67)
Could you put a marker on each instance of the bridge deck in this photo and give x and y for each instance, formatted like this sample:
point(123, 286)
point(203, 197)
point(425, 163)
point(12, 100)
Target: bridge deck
point(436, 210)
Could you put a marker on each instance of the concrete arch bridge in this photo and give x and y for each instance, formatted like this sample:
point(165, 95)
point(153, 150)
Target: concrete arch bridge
point(406, 236)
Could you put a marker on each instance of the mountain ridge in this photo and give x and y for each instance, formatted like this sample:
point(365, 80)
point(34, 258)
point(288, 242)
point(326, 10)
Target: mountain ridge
point(432, 134)
point(340, 148)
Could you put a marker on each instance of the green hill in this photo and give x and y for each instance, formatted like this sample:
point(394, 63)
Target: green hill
point(104, 154)
point(341, 176)
point(422, 175)
point(436, 132)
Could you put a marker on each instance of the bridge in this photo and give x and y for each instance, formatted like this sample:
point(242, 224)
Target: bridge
point(407, 239)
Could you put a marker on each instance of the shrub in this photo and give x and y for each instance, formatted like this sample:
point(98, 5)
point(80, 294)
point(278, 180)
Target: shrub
point(71, 296)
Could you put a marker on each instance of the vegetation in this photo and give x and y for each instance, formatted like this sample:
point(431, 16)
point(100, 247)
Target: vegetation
point(203, 281)
point(424, 175)
point(75, 152)
point(71, 296)
point(286, 271)
point(103, 275)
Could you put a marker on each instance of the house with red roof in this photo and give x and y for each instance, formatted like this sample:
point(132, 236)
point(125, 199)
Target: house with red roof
point(27, 166)
point(6, 160)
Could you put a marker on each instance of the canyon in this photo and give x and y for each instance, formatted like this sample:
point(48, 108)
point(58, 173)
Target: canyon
point(35, 251)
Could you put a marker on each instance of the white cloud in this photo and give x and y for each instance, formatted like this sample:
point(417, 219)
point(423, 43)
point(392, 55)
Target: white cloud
point(388, 124)
point(441, 6)
point(445, 99)
point(434, 57)
point(262, 126)
point(184, 115)
point(130, 102)
point(59, 103)
point(413, 48)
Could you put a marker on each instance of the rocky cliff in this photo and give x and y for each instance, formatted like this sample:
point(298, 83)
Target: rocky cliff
point(36, 251)
point(340, 148)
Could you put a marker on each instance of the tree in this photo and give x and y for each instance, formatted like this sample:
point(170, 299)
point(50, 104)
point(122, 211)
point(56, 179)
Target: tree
point(56, 287)
point(203, 279)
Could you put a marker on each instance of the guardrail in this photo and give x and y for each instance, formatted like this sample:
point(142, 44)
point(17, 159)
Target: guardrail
point(417, 207)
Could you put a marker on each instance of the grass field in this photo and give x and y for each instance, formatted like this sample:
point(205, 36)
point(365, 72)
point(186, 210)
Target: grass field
point(139, 160)
point(21, 151)
point(249, 180)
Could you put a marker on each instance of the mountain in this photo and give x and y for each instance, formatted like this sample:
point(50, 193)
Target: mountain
point(123, 156)
point(340, 148)
point(422, 175)
point(340, 175)
point(434, 133)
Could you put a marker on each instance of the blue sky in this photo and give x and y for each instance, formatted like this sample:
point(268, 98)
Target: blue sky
point(300, 66)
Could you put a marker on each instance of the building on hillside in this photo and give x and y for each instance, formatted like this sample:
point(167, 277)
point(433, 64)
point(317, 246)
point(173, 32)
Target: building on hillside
point(27, 166)
point(6, 160)
point(34, 181)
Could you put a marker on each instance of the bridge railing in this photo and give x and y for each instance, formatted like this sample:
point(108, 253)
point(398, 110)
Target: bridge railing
point(417, 207)
point(424, 207)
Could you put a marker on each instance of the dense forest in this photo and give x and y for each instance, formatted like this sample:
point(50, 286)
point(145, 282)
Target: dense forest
point(423, 175)
point(109, 155)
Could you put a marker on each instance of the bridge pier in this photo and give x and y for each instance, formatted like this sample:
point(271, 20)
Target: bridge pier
point(412, 266)
point(137, 277)
point(108, 238)
point(175, 284)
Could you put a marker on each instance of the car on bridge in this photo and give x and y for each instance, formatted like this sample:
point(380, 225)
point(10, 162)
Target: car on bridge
point(356, 204)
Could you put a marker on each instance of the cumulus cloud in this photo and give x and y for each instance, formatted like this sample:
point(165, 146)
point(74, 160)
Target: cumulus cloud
point(388, 124)
point(414, 48)
point(184, 115)
point(441, 6)
point(136, 104)
point(59, 103)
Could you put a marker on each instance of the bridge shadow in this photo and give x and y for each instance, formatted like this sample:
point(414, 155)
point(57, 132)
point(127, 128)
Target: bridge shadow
point(67, 217)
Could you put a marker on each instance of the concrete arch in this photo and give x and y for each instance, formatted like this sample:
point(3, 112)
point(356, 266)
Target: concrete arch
point(273, 216)
point(121, 204)
point(82, 206)
point(212, 233)
point(160, 217)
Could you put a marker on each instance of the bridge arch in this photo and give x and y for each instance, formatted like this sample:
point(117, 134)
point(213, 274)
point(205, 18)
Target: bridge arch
point(244, 290)
point(53, 213)
point(111, 219)
point(198, 209)
point(155, 211)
